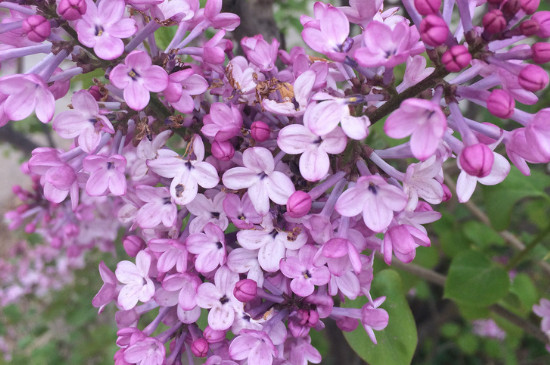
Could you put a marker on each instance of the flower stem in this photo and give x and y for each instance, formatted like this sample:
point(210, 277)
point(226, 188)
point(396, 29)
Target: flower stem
point(521, 255)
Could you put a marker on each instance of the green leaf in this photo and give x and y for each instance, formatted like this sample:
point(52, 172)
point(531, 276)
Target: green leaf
point(164, 35)
point(397, 342)
point(473, 279)
point(501, 199)
point(523, 287)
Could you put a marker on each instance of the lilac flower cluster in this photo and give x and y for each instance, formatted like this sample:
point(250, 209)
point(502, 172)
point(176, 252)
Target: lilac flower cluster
point(244, 185)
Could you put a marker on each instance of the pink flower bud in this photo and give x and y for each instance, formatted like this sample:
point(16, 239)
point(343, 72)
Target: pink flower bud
point(298, 204)
point(30, 227)
point(529, 27)
point(132, 245)
point(199, 347)
point(530, 6)
point(494, 21)
point(543, 18)
point(447, 195)
point(456, 58)
point(541, 52)
point(71, 9)
point(433, 30)
point(245, 290)
point(476, 160)
point(37, 28)
point(501, 104)
point(71, 230)
point(533, 78)
point(427, 7)
point(260, 131)
point(223, 151)
point(511, 7)
point(213, 336)
point(96, 93)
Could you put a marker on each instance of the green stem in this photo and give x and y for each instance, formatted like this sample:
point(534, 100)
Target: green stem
point(521, 255)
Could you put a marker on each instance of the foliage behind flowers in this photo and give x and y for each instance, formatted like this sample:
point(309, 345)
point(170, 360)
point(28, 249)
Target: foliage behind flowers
point(254, 193)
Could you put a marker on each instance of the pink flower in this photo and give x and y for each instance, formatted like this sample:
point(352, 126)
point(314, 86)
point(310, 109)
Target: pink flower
point(260, 178)
point(303, 86)
point(219, 299)
point(304, 272)
point(182, 86)
point(255, 346)
point(386, 46)
point(223, 122)
point(421, 119)
point(374, 318)
point(172, 254)
point(27, 93)
point(83, 121)
point(375, 199)
point(107, 293)
point(209, 248)
point(158, 207)
point(314, 160)
point(135, 277)
point(259, 52)
point(106, 174)
point(103, 26)
point(137, 76)
point(403, 240)
point(328, 33)
point(212, 12)
point(147, 351)
point(187, 173)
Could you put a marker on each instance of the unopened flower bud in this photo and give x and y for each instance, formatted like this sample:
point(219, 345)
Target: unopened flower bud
point(511, 7)
point(529, 6)
point(37, 28)
point(213, 336)
point(494, 21)
point(541, 52)
point(543, 18)
point(298, 204)
point(433, 30)
point(501, 104)
point(30, 227)
point(71, 9)
point(96, 93)
point(476, 160)
point(245, 290)
point(132, 245)
point(427, 7)
point(533, 78)
point(223, 151)
point(199, 347)
point(260, 131)
point(529, 27)
point(456, 58)
point(447, 195)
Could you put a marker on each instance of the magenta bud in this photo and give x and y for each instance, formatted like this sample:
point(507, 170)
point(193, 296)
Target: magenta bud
point(96, 93)
point(223, 151)
point(476, 160)
point(447, 195)
point(494, 21)
point(213, 336)
point(501, 104)
point(71, 9)
point(529, 27)
point(30, 227)
point(260, 131)
point(543, 18)
point(427, 7)
point(511, 7)
point(132, 245)
point(541, 52)
point(298, 204)
point(533, 78)
point(71, 230)
point(530, 6)
point(245, 290)
point(199, 347)
point(433, 30)
point(456, 58)
point(37, 28)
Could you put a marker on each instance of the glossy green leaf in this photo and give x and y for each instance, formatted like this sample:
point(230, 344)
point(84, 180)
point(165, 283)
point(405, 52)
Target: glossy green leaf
point(501, 199)
point(473, 279)
point(397, 342)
